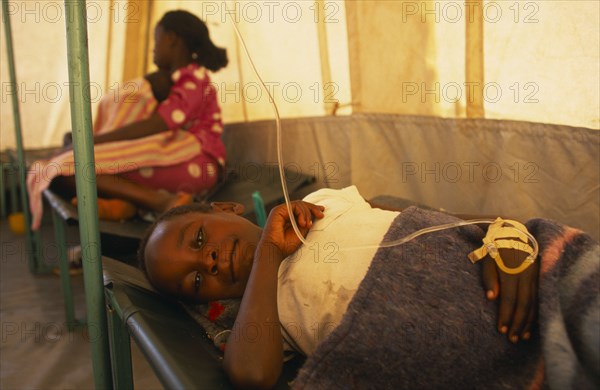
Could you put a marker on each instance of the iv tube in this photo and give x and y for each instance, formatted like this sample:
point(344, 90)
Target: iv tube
point(278, 137)
point(384, 244)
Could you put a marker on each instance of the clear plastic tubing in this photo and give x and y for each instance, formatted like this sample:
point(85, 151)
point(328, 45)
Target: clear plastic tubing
point(384, 244)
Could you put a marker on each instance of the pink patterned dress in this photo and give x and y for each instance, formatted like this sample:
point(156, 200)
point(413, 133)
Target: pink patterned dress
point(188, 157)
point(192, 105)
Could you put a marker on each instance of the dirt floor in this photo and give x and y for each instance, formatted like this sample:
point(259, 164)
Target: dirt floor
point(37, 350)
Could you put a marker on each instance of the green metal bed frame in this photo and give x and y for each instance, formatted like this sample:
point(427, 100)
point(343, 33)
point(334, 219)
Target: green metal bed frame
point(81, 121)
point(119, 308)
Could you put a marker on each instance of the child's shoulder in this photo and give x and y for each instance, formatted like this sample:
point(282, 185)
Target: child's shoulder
point(345, 195)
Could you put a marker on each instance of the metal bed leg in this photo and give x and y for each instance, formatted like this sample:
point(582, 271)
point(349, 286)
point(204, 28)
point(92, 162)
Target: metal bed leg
point(63, 263)
point(85, 179)
point(32, 239)
point(120, 350)
point(2, 192)
point(12, 185)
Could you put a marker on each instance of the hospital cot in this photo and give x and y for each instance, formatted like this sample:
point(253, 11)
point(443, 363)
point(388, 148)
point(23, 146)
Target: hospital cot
point(463, 165)
point(249, 146)
point(175, 345)
point(233, 188)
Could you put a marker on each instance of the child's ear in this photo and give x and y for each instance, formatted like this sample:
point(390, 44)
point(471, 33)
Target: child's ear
point(228, 207)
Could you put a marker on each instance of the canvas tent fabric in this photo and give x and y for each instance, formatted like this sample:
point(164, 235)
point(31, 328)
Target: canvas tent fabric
point(540, 58)
point(467, 166)
point(374, 49)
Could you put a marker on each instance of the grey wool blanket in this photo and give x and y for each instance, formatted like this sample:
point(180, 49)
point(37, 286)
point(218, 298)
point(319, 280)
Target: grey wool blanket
point(420, 319)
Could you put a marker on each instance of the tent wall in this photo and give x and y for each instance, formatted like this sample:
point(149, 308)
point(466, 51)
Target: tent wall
point(547, 62)
point(291, 44)
point(38, 29)
point(540, 58)
point(137, 46)
point(472, 166)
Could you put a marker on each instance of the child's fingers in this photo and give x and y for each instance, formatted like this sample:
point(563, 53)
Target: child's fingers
point(490, 278)
point(521, 313)
point(305, 211)
point(508, 298)
point(526, 332)
point(300, 212)
point(317, 211)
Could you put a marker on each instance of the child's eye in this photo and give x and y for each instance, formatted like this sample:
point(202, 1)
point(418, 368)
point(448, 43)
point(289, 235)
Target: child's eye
point(199, 239)
point(197, 281)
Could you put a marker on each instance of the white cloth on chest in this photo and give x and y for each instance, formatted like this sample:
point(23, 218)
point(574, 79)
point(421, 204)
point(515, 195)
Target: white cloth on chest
point(319, 280)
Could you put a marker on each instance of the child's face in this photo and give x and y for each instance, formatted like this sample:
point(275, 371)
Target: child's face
point(202, 256)
point(162, 47)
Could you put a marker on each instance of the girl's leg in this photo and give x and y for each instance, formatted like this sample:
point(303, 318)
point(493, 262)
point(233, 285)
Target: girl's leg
point(115, 186)
point(140, 187)
point(195, 176)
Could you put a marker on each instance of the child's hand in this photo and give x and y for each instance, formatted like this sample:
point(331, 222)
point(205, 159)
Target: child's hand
point(518, 293)
point(278, 230)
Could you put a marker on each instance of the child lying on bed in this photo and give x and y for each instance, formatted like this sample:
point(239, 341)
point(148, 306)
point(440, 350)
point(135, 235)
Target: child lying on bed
point(293, 295)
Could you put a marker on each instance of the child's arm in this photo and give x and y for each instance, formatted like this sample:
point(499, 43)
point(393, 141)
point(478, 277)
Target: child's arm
point(149, 126)
point(254, 352)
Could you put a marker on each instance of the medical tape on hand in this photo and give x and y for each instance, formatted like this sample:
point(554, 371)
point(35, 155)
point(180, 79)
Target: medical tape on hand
point(500, 236)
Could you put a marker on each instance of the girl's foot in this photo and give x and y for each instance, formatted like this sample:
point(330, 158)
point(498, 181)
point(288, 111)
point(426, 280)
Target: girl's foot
point(113, 209)
point(179, 199)
point(170, 201)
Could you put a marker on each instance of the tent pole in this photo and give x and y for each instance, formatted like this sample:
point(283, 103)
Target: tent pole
point(328, 103)
point(474, 66)
point(32, 239)
point(85, 179)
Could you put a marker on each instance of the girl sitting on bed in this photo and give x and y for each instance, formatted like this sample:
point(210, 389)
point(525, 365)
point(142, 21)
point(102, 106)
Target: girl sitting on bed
point(149, 154)
point(294, 296)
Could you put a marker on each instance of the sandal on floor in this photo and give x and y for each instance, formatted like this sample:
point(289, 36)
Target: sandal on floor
point(74, 260)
